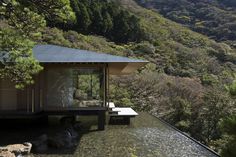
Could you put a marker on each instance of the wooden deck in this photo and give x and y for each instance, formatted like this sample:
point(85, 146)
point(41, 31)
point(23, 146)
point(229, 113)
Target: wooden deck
point(100, 112)
point(75, 111)
point(9, 114)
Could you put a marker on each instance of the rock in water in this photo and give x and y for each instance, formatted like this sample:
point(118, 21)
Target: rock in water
point(77, 126)
point(60, 140)
point(72, 132)
point(16, 149)
point(40, 144)
point(6, 154)
point(63, 139)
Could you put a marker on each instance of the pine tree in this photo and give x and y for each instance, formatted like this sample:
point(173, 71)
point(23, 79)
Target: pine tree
point(97, 24)
point(83, 18)
point(23, 23)
point(121, 27)
point(107, 23)
point(135, 31)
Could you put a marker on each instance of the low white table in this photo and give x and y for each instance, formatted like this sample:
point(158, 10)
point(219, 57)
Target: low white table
point(125, 112)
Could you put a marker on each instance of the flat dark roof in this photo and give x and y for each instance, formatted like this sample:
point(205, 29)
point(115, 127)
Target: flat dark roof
point(117, 65)
point(59, 54)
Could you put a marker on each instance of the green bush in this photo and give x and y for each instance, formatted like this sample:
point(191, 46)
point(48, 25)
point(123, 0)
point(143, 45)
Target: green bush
point(209, 79)
point(232, 88)
point(228, 125)
point(144, 48)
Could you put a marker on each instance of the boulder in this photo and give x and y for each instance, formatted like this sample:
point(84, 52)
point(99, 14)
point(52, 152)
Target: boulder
point(40, 144)
point(6, 154)
point(74, 134)
point(63, 139)
point(16, 149)
point(77, 125)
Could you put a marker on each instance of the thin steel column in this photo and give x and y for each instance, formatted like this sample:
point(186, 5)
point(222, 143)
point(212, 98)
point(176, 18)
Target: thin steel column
point(27, 93)
point(104, 86)
point(32, 99)
point(108, 85)
point(41, 99)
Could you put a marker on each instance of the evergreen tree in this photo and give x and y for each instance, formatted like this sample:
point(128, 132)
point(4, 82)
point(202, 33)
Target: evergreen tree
point(121, 27)
point(97, 24)
point(76, 9)
point(23, 23)
point(135, 29)
point(108, 19)
point(107, 23)
point(54, 11)
point(18, 64)
point(83, 19)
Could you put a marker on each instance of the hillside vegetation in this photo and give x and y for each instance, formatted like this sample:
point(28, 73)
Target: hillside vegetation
point(189, 82)
point(186, 85)
point(215, 18)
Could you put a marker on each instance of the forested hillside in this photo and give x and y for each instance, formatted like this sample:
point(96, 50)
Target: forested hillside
point(190, 81)
point(215, 18)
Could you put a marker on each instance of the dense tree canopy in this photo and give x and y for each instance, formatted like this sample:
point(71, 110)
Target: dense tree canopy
point(21, 24)
point(54, 11)
point(213, 18)
point(105, 18)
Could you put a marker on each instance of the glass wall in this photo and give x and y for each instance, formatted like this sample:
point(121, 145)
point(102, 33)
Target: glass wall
point(74, 87)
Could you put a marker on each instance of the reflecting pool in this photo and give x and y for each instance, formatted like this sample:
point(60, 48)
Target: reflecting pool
point(145, 137)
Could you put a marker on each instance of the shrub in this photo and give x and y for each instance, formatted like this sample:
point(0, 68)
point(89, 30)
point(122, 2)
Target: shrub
point(229, 127)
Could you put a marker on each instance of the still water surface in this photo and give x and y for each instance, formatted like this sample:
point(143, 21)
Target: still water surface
point(145, 137)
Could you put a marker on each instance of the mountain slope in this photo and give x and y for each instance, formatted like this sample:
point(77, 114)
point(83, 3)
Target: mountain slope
point(215, 18)
point(185, 82)
point(178, 44)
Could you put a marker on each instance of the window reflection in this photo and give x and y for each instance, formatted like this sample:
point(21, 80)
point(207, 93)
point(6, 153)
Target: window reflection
point(88, 87)
point(74, 87)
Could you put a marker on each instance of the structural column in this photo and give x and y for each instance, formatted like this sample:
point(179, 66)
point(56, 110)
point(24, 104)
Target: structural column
point(101, 119)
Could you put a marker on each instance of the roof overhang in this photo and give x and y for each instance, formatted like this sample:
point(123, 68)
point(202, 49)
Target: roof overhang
point(124, 68)
point(118, 65)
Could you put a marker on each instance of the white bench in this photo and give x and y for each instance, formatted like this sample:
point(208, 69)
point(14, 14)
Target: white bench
point(125, 112)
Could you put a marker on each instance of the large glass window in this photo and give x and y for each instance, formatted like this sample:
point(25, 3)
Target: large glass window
point(88, 84)
point(74, 87)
